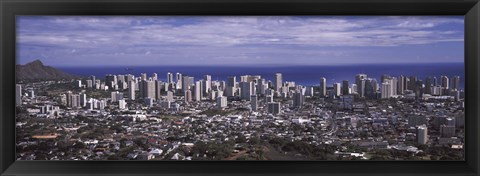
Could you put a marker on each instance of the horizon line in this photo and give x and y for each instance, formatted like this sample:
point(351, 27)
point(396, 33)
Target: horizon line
point(254, 65)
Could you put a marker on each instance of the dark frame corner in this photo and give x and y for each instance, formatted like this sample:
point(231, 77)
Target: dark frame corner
point(9, 8)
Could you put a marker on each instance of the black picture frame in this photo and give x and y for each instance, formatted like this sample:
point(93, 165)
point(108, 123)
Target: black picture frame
point(10, 8)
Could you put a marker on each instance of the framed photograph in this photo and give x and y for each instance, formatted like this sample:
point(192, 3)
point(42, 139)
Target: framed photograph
point(239, 87)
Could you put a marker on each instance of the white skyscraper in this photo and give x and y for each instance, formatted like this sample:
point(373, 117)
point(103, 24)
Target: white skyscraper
point(83, 99)
point(148, 89)
point(386, 90)
point(221, 102)
point(360, 82)
point(337, 89)
point(122, 104)
point(198, 91)
point(207, 83)
point(278, 82)
point(18, 94)
point(188, 96)
point(170, 96)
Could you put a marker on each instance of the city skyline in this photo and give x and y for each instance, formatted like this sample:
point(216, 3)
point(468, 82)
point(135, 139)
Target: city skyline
point(285, 40)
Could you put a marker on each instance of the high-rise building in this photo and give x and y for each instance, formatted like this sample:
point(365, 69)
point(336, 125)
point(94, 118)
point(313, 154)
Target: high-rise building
point(169, 77)
point(261, 87)
point(111, 81)
point(129, 78)
point(148, 89)
point(93, 81)
point(89, 84)
point(412, 83)
point(187, 81)
point(18, 95)
point(169, 96)
point(345, 88)
point(422, 135)
point(231, 81)
point(402, 85)
point(254, 102)
point(131, 90)
point(198, 91)
point(445, 83)
point(360, 82)
point(428, 85)
point(391, 84)
point(456, 83)
point(83, 99)
point(386, 90)
point(116, 96)
point(337, 91)
point(323, 87)
point(384, 77)
point(179, 82)
point(154, 76)
point(158, 89)
point(122, 104)
point(273, 108)
point(447, 131)
point(221, 102)
point(434, 81)
point(246, 89)
point(188, 96)
point(278, 82)
point(298, 99)
point(370, 87)
point(207, 83)
point(143, 76)
point(354, 88)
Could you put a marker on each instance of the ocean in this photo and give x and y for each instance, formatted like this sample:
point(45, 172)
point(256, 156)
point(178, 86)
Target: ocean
point(304, 75)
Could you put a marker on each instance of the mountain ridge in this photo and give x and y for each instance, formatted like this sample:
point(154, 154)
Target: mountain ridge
point(36, 70)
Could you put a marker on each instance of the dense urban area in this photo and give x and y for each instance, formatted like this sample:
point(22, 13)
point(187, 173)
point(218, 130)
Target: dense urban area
point(179, 117)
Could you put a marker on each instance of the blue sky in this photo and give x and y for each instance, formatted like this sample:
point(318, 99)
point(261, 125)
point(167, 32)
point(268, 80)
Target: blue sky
point(246, 40)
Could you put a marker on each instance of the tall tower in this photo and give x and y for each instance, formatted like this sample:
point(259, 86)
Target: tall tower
point(278, 81)
point(360, 82)
point(298, 99)
point(254, 102)
point(198, 91)
point(246, 90)
point(456, 82)
point(345, 90)
point(337, 89)
point(386, 90)
point(154, 76)
point(207, 83)
point(445, 83)
point(401, 86)
point(131, 90)
point(323, 87)
point(169, 77)
point(428, 85)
